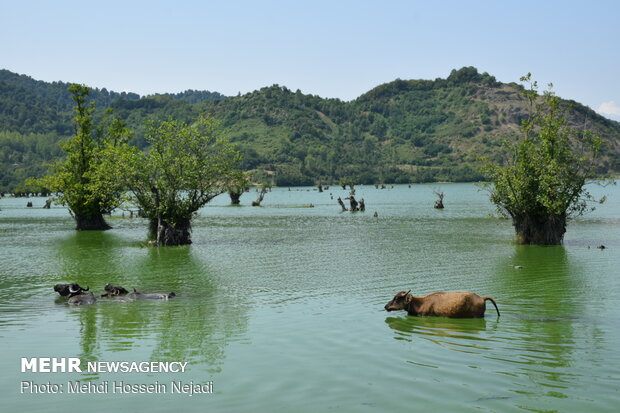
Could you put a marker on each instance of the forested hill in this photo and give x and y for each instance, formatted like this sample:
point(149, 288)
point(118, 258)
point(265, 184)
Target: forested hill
point(402, 131)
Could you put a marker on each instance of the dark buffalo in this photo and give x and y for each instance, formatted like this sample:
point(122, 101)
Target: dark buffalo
point(112, 290)
point(69, 290)
point(81, 299)
point(151, 296)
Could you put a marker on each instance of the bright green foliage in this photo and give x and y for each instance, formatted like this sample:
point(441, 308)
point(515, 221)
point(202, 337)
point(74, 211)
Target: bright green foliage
point(184, 168)
point(82, 178)
point(237, 187)
point(543, 183)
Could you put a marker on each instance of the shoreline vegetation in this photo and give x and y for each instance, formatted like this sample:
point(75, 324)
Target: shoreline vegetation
point(253, 187)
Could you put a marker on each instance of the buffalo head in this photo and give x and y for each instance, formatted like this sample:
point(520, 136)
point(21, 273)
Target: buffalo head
point(399, 302)
point(69, 290)
point(113, 290)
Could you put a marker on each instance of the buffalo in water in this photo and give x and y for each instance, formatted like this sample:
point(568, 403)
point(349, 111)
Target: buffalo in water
point(151, 296)
point(80, 299)
point(69, 290)
point(441, 304)
point(78, 295)
point(112, 290)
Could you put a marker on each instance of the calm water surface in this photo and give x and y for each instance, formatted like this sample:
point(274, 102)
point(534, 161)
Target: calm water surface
point(281, 307)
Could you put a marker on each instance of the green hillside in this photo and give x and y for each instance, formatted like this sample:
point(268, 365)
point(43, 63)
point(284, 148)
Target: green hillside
point(402, 131)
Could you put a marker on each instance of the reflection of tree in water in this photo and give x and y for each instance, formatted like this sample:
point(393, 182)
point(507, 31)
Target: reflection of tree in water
point(548, 333)
point(544, 291)
point(90, 348)
point(88, 258)
point(194, 327)
point(542, 280)
point(204, 319)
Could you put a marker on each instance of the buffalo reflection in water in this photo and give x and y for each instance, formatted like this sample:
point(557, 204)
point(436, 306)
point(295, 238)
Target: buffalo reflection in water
point(461, 332)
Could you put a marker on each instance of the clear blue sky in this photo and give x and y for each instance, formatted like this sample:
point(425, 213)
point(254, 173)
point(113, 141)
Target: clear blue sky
point(328, 48)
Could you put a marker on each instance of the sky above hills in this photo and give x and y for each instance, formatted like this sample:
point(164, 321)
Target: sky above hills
point(335, 48)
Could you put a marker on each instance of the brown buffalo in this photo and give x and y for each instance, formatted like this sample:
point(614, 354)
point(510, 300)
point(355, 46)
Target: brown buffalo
point(441, 304)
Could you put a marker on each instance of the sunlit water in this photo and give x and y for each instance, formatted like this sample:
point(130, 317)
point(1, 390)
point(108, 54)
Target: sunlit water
point(281, 306)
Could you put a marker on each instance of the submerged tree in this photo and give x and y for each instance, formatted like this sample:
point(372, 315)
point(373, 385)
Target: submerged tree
point(185, 167)
point(237, 187)
point(439, 201)
point(542, 184)
point(84, 186)
point(265, 186)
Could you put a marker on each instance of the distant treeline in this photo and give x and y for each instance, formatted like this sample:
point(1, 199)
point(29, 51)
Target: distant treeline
point(399, 132)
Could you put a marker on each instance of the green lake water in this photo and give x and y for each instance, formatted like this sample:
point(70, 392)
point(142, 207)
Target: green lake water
point(281, 307)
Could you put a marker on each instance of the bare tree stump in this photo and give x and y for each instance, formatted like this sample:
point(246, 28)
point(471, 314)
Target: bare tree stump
point(261, 196)
point(344, 208)
point(439, 202)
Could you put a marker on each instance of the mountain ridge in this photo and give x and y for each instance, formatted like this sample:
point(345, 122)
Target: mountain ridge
point(399, 131)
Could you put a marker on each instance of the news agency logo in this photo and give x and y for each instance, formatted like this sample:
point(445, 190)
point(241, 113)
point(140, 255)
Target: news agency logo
point(51, 365)
point(73, 364)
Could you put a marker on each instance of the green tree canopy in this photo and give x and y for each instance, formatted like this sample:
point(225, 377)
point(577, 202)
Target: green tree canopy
point(185, 167)
point(542, 184)
point(81, 178)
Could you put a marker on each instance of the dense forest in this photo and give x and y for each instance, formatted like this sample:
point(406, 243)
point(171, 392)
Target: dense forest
point(399, 132)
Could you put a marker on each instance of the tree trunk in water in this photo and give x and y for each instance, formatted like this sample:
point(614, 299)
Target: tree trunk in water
point(165, 234)
point(235, 197)
point(353, 203)
point(260, 197)
point(93, 222)
point(344, 208)
point(547, 229)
